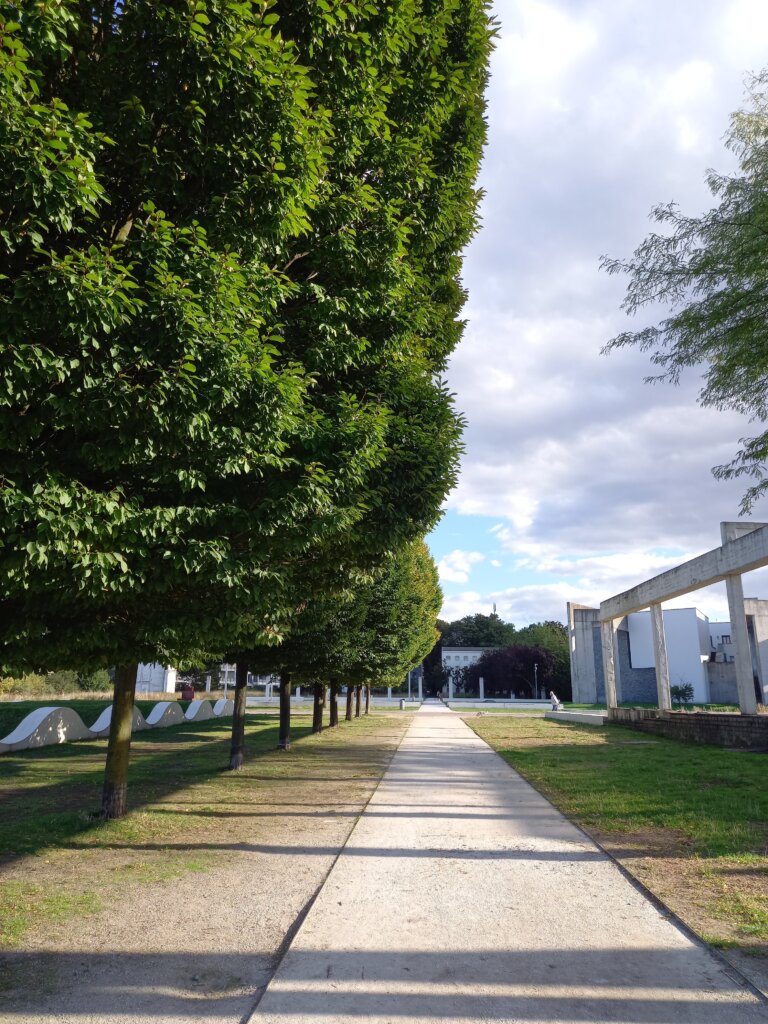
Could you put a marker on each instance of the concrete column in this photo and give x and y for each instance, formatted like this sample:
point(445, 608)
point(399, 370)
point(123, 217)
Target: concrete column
point(450, 687)
point(607, 638)
point(482, 688)
point(745, 683)
point(389, 693)
point(660, 657)
point(758, 610)
point(298, 691)
point(420, 677)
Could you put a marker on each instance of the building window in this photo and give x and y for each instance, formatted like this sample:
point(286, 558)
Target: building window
point(726, 638)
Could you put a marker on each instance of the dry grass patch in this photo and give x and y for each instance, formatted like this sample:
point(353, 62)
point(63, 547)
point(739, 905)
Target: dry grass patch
point(188, 814)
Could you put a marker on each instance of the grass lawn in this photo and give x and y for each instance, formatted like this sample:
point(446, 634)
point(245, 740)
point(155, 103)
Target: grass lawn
point(690, 821)
point(187, 812)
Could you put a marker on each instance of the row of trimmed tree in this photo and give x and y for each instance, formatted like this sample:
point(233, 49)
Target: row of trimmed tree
point(373, 635)
point(230, 238)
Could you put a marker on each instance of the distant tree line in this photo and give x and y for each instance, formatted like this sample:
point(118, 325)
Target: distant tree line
point(537, 653)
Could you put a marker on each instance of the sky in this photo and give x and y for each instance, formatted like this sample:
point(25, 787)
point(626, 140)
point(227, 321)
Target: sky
point(580, 480)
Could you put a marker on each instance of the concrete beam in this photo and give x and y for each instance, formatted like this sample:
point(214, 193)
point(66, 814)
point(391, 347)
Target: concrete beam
point(743, 554)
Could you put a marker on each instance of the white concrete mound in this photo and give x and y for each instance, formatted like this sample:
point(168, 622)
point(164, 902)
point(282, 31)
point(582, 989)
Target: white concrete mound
point(199, 711)
point(45, 726)
point(101, 726)
point(166, 712)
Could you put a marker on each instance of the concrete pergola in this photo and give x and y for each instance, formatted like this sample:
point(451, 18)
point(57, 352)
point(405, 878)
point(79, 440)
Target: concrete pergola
point(744, 548)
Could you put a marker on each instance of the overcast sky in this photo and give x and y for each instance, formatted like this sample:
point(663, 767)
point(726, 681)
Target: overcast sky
point(579, 479)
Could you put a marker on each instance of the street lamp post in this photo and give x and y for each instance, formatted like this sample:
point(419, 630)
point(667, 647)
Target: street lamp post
point(536, 679)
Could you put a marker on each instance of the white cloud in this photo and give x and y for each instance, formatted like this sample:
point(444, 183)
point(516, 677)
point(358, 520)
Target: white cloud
point(457, 566)
point(521, 605)
point(595, 480)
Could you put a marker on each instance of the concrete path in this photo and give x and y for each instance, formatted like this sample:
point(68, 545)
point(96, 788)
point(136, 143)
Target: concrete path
point(462, 896)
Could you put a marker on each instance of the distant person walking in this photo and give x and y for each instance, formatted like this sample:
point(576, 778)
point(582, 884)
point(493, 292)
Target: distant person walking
point(556, 705)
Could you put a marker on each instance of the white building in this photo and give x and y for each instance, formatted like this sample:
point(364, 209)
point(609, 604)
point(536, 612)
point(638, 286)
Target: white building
point(462, 657)
point(155, 678)
point(699, 652)
point(228, 677)
point(691, 641)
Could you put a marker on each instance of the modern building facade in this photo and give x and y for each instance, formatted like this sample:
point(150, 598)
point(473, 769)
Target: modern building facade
point(456, 658)
point(699, 652)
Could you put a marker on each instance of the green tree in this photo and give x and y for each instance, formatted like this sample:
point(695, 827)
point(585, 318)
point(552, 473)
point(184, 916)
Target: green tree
point(229, 256)
point(516, 670)
point(478, 631)
point(711, 273)
point(552, 636)
point(372, 632)
point(398, 630)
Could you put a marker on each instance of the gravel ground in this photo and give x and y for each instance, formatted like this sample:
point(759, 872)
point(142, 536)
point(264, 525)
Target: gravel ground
point(201, 946)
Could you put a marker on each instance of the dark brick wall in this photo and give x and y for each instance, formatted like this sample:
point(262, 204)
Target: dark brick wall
point(719, 729)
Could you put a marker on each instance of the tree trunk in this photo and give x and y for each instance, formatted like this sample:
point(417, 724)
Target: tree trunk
point(358, 688)
point(348, 715)
point(114, 797)
point(333, 700)
point(237, 748)
point(317, 711)
point(284, 742)
point(367, 698)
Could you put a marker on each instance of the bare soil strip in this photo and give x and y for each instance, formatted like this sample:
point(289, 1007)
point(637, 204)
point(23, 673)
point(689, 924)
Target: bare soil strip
point(197, 889)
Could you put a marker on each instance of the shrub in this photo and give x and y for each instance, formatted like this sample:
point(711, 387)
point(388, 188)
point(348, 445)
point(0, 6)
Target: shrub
point(30, 685)
point(682, 694)
point(97, 681)
point(60, 682)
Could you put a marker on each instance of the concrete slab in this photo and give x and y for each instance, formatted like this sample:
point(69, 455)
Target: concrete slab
point(463, 896)
point(584, 717)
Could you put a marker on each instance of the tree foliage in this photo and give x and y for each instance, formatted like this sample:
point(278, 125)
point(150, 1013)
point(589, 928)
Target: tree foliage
point(229, 259)
point(552, 636)
point(230, 239)
point(382, 627)
point(712, 273)
point(477, 631)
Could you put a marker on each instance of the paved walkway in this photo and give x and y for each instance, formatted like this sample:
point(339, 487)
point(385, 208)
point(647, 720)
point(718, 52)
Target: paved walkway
point(463, 896)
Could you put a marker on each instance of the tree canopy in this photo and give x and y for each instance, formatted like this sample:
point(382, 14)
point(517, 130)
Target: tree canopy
point(477, 631)
point(382, 627)
point(229, 259)
point(230, 238)
point(711, 272)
